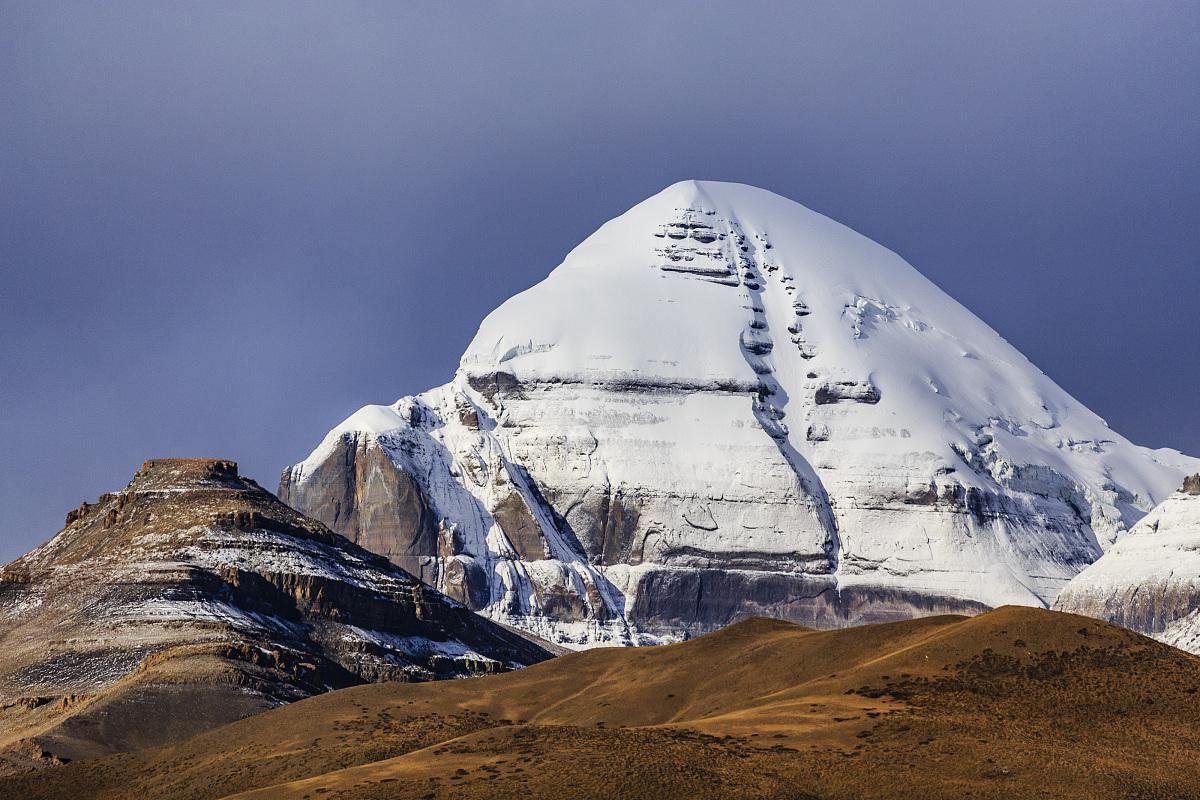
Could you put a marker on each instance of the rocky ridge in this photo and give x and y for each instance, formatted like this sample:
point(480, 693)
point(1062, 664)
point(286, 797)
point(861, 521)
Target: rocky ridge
point(193, 597)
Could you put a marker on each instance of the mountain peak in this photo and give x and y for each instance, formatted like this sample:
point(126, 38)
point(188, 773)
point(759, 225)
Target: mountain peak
point(719, 402)
point(695, 190)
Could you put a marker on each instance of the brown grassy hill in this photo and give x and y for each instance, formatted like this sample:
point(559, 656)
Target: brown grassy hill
point(1011, 704)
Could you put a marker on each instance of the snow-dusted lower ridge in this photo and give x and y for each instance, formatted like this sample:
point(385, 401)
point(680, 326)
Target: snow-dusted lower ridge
point(723, 404)
point(1149, 580)
point(192, 598)
point(192, 555)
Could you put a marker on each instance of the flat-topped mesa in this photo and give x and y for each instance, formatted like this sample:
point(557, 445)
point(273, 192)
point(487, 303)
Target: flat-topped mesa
point(182, 472)
point(222, 467)
point(160, 479)
point(1191, 484)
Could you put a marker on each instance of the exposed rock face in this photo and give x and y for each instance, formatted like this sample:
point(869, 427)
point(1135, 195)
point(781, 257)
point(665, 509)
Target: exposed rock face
point(367, 499)
point(197, 592)
point(1150, 579)
point(723, 404)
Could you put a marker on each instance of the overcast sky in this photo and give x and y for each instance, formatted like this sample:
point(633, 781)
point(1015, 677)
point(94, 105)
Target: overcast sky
point(225, 226)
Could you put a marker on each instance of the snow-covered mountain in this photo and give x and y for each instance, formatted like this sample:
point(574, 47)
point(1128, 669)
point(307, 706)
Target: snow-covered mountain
point(724, 404)
point(1149, 580)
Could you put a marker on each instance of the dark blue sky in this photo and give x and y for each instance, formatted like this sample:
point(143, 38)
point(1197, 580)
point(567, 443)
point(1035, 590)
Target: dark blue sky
point(225, 226)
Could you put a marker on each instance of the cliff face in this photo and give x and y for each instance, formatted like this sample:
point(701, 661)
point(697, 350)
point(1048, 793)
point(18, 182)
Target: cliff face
point(363, 496)
point(1149, 580)
point(722, 405)
point(193, 585)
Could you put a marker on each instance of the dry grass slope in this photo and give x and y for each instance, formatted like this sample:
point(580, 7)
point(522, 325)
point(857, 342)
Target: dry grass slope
point(1016, 703)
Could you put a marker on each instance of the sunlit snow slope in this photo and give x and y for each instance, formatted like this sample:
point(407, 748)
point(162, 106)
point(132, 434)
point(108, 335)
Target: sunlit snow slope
point(1150, 580)
point(724, 404)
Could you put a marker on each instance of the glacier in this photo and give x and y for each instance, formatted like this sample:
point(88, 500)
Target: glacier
point(723, 404)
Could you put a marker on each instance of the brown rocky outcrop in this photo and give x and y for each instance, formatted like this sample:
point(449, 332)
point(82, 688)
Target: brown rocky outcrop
point(194, 587)
point(361, 494)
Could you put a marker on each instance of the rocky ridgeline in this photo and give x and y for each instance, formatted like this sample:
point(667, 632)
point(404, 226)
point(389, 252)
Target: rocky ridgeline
point(193, 576)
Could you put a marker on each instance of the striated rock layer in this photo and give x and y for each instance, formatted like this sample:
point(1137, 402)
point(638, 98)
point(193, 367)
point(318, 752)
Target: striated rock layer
point(720, 405)
point(194, 597)
point(1149, 580)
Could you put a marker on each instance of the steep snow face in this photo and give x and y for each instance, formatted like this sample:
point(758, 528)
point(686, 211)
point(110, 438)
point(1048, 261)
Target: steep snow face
point(723, 404)
point(1150, 579)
